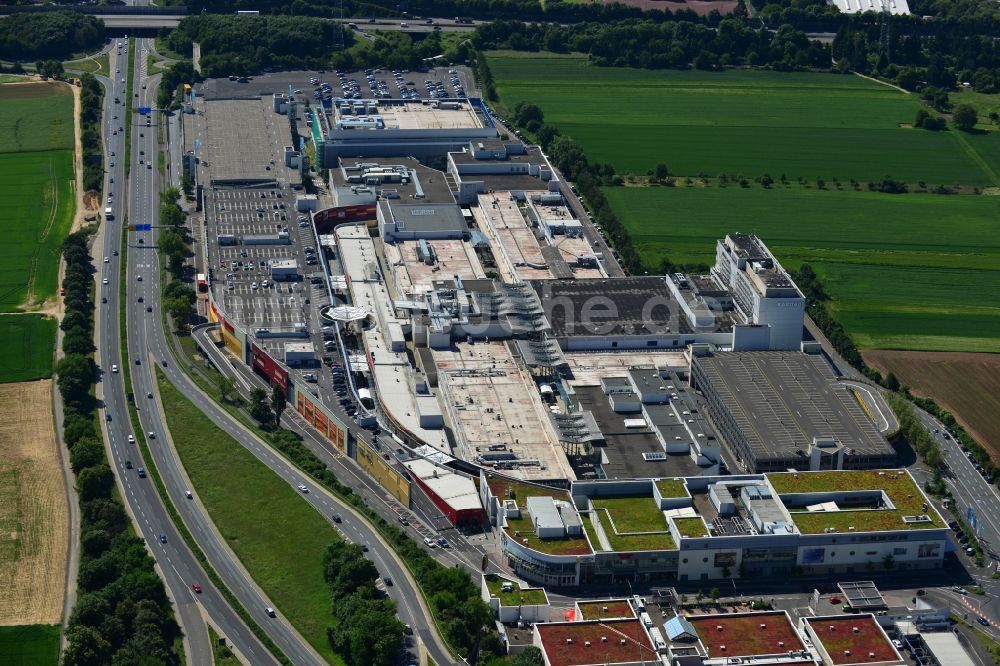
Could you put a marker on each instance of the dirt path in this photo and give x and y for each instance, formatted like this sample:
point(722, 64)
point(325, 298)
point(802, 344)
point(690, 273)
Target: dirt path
point(884, 83)
point(78, 162)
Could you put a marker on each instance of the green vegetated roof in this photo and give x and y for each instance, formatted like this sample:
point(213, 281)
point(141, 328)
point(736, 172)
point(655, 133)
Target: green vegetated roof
point(691, 527)
point(670, 488)
point(531, 596)
point(522, 528)
point(636, 523)
point(506, 488)
point(632, 513)
point(900, 488)
point(503, 487)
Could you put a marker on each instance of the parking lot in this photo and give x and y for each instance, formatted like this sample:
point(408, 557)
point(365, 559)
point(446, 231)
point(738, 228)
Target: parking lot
point(437, 83)
point(249, 230)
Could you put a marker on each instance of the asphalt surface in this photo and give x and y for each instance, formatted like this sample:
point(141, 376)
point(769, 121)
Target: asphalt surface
point(352, 527)
point(148, 346)
point(177, 564)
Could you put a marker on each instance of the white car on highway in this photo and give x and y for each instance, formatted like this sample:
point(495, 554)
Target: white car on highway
point(114, 368)
point(302, 488)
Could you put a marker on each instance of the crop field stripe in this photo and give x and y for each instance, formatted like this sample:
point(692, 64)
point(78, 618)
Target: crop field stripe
point(914, 271)
point(976, 157)
point(806, 125)
point(27, 352)
point(30, 645)
point(39, 195)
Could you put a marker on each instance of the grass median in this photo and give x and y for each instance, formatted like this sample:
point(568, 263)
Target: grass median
point(161, 489)
point(277, 536)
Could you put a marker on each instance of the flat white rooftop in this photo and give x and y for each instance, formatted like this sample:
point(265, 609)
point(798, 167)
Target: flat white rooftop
point(519, 256)
point(489, 401)
point(451, 257)
point(588, 368)
point(391, 370)
point(458, 491)
point(425, 116)
point(861, 6)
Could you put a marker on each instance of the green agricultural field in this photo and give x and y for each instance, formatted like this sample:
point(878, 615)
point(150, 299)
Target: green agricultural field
point(38, 192)
point(35, 116)
point(30, 645)
point(808, 125)
point(914, 271)
point(37, 186)
point(286, 558)
point(27, 350)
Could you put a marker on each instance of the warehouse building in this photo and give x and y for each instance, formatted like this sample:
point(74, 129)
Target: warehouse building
point(455, 495)
point(495, 165)
point(376, 128)
point(407, 222)
point(776, 411)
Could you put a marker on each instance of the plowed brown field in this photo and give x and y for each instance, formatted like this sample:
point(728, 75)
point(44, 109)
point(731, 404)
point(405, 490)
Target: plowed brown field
point(966, 384)
point(34, 516)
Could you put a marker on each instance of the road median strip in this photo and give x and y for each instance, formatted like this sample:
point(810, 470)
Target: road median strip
point(161, 489)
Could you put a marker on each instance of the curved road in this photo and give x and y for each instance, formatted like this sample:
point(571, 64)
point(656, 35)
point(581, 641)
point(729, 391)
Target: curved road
point(148, 345)
point(176, 563)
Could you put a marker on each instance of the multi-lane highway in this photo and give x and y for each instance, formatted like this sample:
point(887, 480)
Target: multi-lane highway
point(147, 345)
point(177, 564)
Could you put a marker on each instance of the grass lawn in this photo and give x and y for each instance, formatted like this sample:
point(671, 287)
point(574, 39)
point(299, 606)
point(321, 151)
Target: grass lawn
point(672, 488)
point(691, 527)
point(98, 65)
point(745, 122)
point(278, 537)
point(26, 354)
point(914, 271)
point(222, 655)
point(531, 596)
point(898, 486)
point(632, 514)
point(30, 645)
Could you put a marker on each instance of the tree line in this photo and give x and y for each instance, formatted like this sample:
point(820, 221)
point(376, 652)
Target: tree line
point(174, 244)
point(656, 45)
point(122, 614)
point(365, 630)
point(529, 10)
point(171, 80)
point(49, 35)
point(91, 110)
point(244, 45)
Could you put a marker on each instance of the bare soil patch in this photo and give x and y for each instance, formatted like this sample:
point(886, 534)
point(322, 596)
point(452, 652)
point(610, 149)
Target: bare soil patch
point(28, 90)
point(34, 516)
point(966, 384)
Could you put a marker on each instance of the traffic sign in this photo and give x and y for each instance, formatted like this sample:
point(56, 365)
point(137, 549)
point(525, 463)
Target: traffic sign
point(145, 110)
point(144, 227)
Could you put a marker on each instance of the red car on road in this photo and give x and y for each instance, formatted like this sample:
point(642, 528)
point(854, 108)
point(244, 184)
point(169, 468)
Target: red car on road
point(196, 587)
